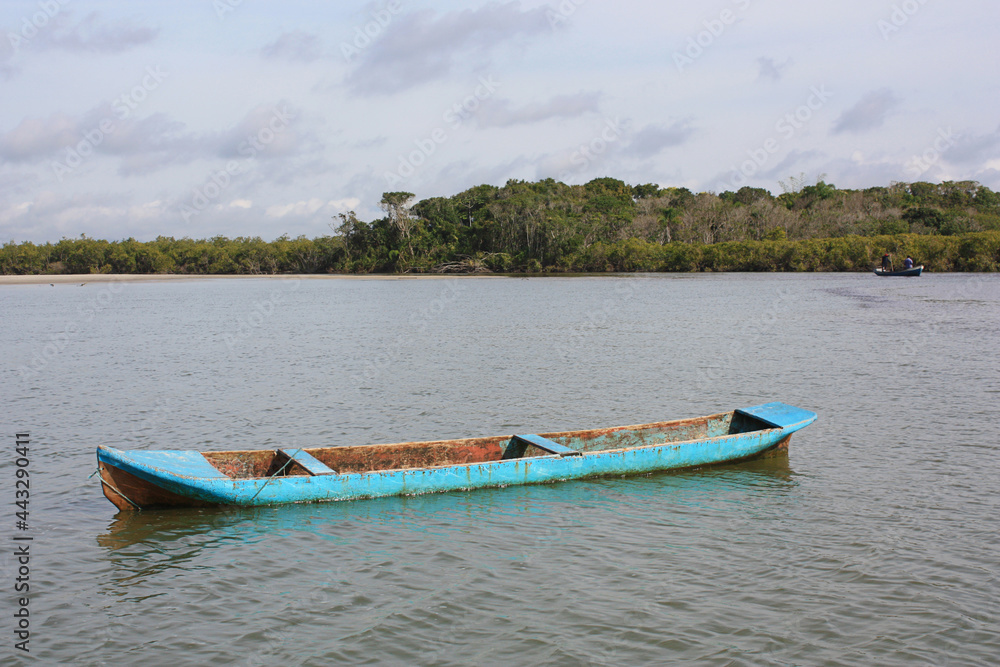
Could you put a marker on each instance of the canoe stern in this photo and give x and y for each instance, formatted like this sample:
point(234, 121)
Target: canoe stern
point(780, 415)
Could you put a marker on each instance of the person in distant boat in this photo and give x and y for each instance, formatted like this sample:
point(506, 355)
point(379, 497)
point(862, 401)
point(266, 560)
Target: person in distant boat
point(886, 262)
point(908, 263)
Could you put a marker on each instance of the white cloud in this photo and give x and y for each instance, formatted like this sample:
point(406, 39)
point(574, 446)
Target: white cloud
point(344, 204)
point(501, 113)
point(97, 34)
point(14, 211)
point(869, 113)
point(294, 45)
point(310, 206)
point(768, 68)
point(424, 45)
point(653, 138)
point(38, 137)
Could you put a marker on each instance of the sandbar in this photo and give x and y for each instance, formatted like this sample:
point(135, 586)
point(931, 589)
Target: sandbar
point(82, 278)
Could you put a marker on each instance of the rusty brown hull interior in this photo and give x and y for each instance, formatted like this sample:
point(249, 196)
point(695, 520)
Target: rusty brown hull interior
point(409, 455)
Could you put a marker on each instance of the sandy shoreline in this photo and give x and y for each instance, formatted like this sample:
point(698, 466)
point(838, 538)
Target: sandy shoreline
point(80, 278)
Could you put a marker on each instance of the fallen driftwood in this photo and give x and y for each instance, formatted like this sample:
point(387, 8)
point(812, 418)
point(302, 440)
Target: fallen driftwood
point(469, 265)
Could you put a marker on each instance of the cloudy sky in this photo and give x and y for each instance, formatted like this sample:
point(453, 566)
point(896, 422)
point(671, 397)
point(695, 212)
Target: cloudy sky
point(252, 118)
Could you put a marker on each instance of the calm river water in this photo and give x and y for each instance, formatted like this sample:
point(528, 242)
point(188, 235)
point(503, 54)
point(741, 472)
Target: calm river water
point(876, 541)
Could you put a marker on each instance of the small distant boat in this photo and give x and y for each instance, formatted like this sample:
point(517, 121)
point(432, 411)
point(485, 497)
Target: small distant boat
point(135, 480)
point(915, 271)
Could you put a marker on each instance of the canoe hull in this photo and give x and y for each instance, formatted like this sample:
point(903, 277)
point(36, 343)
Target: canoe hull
point(146, 480)
point(904, 273)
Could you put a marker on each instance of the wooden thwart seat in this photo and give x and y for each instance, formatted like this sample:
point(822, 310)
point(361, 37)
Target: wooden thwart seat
point(309, 463)
point(549, 446)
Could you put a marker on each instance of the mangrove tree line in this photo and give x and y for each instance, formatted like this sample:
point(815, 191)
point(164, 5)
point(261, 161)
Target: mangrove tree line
point(604, 225)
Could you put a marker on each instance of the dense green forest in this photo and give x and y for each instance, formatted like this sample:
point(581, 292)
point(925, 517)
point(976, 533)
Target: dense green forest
point(605, 225)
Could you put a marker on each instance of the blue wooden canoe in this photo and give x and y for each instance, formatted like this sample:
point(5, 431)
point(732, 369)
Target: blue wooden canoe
point(169, 478)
